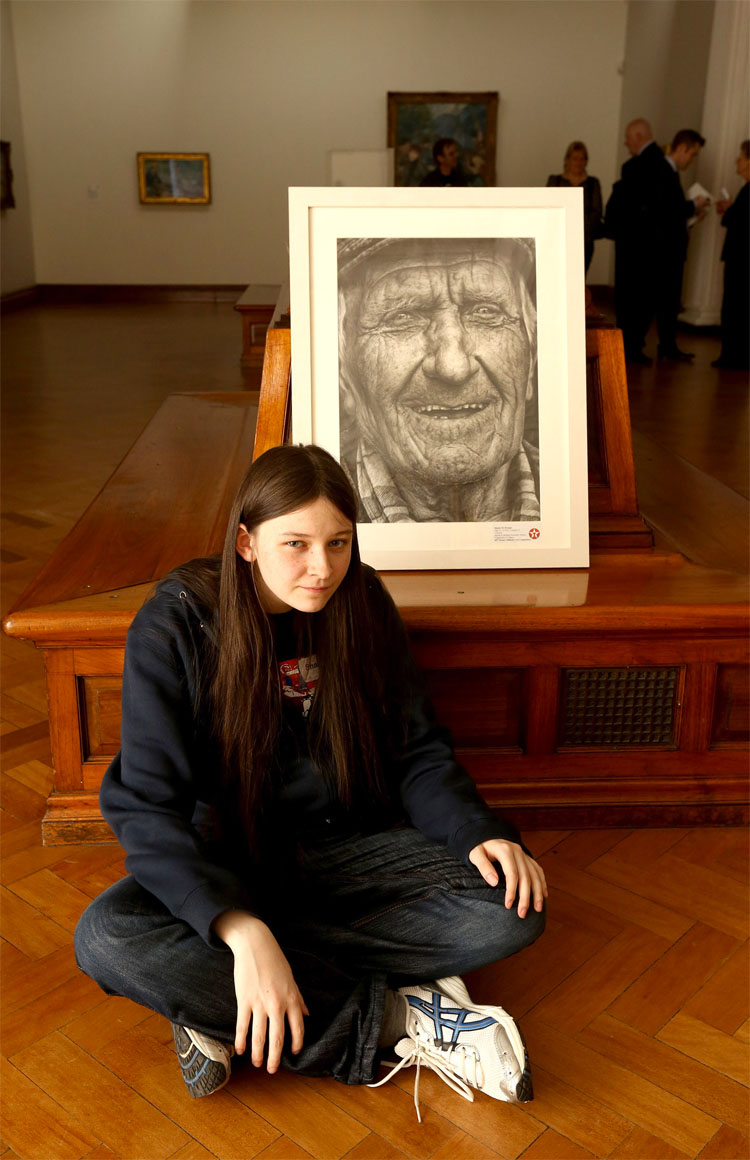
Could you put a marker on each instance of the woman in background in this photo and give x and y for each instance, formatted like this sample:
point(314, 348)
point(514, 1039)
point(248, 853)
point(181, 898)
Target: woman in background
point(574, 174)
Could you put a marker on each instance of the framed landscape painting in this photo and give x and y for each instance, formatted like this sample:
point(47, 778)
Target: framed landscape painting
point(438, 353)
point(417, 120)
point(174, 178)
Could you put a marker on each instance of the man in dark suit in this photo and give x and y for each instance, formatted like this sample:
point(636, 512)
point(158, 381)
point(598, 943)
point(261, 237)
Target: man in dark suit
point(647, 215)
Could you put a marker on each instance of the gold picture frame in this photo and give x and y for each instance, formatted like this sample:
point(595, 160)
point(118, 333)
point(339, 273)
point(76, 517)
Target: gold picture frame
point(174, 178)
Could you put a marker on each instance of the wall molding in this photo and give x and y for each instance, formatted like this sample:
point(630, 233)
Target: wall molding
point(59, 294)
point(18, 299)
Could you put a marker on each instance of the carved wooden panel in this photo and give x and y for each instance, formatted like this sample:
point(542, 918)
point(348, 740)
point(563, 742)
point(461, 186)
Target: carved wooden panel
point(481, 706)
point(731, 724)
point(617, 707)
point(99, 700)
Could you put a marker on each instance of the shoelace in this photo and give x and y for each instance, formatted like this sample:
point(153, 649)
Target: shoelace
point(438, 1060)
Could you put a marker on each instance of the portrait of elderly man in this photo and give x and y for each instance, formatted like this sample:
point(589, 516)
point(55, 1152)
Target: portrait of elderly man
point(437, 390)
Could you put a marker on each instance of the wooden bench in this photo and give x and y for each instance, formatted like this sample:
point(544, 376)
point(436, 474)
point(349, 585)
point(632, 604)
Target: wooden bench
point(613, 695)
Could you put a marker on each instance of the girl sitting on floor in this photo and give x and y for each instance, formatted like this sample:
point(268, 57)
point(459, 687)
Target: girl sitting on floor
point(309, 868)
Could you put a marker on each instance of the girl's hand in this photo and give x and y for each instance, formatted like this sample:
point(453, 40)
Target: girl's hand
point(265, 988)
point(521, 872)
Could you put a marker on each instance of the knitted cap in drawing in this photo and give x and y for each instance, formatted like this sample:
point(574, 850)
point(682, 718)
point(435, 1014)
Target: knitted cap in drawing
point(352, 252)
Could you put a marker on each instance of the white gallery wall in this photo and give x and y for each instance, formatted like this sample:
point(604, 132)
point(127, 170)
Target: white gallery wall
point(666, 64)
point(268, 87)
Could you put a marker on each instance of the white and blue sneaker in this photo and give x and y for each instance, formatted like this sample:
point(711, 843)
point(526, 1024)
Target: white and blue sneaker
point(454, 988)
point(205, 1062)
point(468, 1045)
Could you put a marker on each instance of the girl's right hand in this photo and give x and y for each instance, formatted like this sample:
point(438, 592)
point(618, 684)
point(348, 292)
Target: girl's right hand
point(265, 988)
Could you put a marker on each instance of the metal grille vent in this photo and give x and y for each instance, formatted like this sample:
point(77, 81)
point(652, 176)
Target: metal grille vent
point(618, 707)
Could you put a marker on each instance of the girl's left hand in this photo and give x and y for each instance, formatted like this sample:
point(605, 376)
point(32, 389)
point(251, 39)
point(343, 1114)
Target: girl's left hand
point(521, 872)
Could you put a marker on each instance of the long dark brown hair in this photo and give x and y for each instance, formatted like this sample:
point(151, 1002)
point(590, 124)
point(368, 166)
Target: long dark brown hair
point(355, 723)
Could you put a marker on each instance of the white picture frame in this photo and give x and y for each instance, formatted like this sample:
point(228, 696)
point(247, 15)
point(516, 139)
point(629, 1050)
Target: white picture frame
point(378, 276)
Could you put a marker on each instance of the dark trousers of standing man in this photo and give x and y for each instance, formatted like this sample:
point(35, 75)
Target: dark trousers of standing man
point(648, 286)
point(667, 283)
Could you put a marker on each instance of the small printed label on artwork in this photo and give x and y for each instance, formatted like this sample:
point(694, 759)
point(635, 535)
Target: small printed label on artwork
point(502, 533)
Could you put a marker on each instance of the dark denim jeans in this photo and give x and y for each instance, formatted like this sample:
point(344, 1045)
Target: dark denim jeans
point(360, 914)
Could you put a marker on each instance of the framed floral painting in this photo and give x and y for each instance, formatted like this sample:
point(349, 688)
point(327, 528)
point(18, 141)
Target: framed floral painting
point(417, 121)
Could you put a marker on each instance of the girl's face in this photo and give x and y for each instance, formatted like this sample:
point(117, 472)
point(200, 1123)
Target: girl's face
point(299, 559)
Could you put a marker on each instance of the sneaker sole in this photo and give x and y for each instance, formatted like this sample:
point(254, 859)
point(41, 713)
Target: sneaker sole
point(202, 1076)
point(525, 1089)
point(460, 995)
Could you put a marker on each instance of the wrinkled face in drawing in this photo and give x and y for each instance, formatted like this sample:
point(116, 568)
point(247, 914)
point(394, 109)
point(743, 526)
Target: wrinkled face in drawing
point(437, 354)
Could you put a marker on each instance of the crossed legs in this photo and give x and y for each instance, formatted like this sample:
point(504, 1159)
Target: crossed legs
point(365, 913)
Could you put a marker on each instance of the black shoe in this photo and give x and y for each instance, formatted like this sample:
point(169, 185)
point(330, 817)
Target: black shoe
point(637, 356)
point(204, 1062)
point(673, 354)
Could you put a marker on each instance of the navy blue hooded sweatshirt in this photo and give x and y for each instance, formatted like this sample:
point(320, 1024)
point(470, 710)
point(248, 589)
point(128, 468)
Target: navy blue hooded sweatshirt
point(160, 793)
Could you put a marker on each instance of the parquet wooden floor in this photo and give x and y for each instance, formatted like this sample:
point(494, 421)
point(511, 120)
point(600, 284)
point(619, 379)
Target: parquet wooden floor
point(634, 1004)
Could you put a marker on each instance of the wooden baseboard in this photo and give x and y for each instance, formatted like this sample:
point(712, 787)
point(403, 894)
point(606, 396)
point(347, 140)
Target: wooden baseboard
point(64, 295)
point(626, 817)
point(18, 299)
point(74, 818)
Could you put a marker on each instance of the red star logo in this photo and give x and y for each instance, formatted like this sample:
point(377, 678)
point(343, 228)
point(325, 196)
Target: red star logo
point(534, 533)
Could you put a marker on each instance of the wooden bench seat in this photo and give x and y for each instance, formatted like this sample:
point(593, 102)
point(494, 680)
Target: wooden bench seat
point(612, 695)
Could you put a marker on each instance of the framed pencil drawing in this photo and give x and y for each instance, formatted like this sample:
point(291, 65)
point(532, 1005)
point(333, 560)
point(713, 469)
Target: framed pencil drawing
point(417, 120)
point(174, 178)
point(438, 353)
